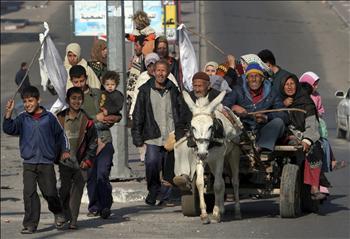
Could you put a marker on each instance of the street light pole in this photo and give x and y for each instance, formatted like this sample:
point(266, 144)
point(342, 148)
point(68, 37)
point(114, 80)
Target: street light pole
point(137, 6)
point(116, 62)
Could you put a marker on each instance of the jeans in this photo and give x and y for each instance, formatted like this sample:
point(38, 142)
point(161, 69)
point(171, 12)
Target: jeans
point(98, 186)
point(155, 158)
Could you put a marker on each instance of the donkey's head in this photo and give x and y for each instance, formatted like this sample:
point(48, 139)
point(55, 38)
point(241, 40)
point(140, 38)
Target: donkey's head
point(202, 121)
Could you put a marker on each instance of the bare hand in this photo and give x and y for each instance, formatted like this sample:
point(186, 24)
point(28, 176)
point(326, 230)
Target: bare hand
point(9, 108)
point(231, 60)
point(306, 147)
point(65, 156)
point(100, 117)
point(261, 118)
point(84, 165)
point(239, 110)
point(288, 101)
point(111, 119)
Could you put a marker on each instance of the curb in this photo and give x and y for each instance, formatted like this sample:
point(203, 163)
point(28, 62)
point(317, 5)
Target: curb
point(14, 26)
point(121, 195)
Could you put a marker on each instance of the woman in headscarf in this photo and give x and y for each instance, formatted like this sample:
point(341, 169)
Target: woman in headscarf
point(304, 128)
point(98, 61)
point(210, 68)
point(72, 58)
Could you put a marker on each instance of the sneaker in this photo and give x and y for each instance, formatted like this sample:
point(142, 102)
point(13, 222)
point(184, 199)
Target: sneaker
point(28, 230)
point(59, 220)
point(166, 203)
point(183, 182)
point(92, 214)
point(105, 213)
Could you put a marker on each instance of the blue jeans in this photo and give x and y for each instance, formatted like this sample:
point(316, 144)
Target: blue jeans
point(269, 133)
point(98, 186)
point(155, 156)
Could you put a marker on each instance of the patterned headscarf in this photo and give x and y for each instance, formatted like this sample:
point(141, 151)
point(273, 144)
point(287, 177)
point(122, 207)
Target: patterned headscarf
point(251, 58)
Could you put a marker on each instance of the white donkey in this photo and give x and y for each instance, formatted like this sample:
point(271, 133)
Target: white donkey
point(204, 113)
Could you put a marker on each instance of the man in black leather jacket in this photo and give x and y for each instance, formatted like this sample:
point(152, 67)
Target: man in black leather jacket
point(157, 111)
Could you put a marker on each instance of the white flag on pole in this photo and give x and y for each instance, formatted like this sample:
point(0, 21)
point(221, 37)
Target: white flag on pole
point(52, 67)
point(188, 58)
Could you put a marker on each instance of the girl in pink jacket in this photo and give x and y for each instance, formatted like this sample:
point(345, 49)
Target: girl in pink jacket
point(313, 79)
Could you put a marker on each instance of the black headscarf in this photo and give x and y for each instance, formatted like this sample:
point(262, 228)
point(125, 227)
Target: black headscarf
point(301, 100)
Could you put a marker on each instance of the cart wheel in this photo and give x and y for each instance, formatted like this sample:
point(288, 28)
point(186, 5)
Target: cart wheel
point(190, 201)
point(290, 191)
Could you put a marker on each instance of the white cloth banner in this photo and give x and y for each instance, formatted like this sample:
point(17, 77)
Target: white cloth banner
point(52, 67)
point(188, 58)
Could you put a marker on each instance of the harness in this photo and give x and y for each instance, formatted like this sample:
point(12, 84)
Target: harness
point(212, 141)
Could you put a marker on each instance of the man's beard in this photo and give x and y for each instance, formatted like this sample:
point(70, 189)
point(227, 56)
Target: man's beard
point(198, 95)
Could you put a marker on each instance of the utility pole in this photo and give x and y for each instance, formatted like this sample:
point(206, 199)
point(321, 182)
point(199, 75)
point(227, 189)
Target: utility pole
point(116, 62)
point(164, 16)
point(137, 6)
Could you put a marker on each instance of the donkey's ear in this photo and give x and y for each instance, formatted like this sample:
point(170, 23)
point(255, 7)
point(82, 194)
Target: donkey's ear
point(216, 101)
point(188, 100)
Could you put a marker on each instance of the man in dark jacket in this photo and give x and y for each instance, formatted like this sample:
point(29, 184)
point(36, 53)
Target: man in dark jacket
point(19, 77)
point(255, 95)
point(155, 115)
point(278, 73)
point(184, 167)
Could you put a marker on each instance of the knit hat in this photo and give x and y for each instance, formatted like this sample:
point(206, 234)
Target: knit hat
point(309, 77)
point(223, 67)
point(254, 68)
point(151, 58)
point(201, 75)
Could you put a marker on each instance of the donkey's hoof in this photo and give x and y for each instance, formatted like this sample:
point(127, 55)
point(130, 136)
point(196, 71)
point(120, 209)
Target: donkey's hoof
point(205, 219)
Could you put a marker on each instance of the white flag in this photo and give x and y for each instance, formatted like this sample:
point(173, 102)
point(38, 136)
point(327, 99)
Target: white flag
point(188, 58)
point(51, 66)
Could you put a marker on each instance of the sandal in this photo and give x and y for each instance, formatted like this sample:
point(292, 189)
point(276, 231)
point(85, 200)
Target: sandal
point(318, 196)
point(338, 165)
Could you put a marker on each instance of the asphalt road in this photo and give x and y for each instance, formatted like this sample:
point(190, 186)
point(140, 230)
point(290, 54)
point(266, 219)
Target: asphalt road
point(303, 35)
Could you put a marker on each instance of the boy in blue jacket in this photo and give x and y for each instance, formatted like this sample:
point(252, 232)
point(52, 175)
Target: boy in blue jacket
point(40, 136)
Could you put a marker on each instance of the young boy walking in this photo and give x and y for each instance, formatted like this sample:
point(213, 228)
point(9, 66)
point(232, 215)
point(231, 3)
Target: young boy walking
point(82, 137)
point(40, 136)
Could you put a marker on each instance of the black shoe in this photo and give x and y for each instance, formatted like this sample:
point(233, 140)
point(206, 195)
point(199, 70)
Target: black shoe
point(93, 214)
point(28, 230)
point(105, 213)
point(59, 220)
point(150, 200)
